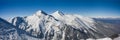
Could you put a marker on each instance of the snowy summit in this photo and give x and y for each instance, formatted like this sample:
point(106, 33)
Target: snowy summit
point(59, 26)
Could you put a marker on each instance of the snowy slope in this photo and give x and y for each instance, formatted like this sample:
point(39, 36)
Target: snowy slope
point(59, 26)
point(11, 32)
point(7, 32)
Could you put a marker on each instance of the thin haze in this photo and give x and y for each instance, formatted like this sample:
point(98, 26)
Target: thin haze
point(12, 8)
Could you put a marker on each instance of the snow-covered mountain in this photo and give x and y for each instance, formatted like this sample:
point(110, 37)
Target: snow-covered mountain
point(59, 26)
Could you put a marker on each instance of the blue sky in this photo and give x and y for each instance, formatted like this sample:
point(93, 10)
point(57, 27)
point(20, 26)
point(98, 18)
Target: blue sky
point(12, 8)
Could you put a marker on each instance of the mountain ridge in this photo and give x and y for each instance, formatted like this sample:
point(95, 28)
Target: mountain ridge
point(59, 26)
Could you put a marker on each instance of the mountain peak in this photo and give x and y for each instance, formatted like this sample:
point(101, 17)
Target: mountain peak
point(58, 13)
point(40, 12)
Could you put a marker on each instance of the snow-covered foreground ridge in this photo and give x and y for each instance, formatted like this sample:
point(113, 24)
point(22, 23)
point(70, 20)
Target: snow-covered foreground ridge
point(59, 26)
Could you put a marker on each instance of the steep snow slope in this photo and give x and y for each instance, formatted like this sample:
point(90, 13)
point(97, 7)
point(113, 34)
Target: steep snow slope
point(7, 32)
point(58, 26)
point(10, 32)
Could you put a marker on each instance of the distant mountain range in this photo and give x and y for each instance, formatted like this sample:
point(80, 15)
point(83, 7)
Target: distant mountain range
point(59, 26)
